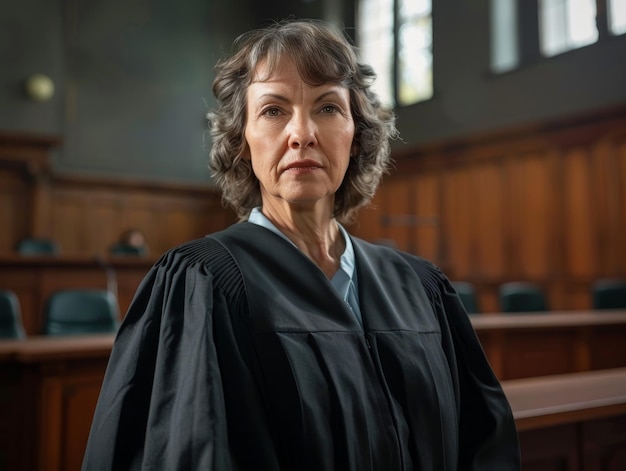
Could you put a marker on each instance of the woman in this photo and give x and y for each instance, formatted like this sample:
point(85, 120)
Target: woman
point(282, 342)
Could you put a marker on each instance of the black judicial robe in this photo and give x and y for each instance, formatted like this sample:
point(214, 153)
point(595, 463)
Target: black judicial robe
point(238, 354)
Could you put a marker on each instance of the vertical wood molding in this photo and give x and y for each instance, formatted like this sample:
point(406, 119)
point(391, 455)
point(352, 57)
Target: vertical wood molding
point(543, 203)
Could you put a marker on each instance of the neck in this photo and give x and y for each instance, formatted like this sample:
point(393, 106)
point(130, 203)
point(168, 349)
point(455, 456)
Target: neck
point(316, 234)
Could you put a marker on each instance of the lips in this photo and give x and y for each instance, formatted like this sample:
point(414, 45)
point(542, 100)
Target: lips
point(306, 164)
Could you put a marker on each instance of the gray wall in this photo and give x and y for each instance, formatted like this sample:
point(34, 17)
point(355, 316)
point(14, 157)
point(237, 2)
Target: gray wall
point(133, 78)
point(469, 99)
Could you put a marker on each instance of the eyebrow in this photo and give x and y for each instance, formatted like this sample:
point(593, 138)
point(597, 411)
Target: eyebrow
point(283, 98)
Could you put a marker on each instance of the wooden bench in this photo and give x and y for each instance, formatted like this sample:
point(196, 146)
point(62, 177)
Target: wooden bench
point(571, 422)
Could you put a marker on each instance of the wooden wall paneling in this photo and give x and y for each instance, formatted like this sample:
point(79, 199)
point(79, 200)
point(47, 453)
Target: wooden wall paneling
point(578, 229)
point(90, 220)
point(489, 199)
point(604, 444)
point(179, 225)
point(367, 224)
point(575, 295)
point(128, 281)
point(533, 215)
point(68, 219)
point(26, 158)
point(67, 403)
point(619, 209)
point(534, 347)
point(397, 216)
point(603, 157)
point(550, 449)
point(457, 225)
point(40, 206)
point(606, 347)
point(102, 227)
point(426, 204)
point(14, 209)
point(11, 415)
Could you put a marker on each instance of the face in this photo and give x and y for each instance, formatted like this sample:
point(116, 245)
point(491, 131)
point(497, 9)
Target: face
point(299, 137)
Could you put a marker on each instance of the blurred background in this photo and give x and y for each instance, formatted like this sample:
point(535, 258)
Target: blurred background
point(511, 168)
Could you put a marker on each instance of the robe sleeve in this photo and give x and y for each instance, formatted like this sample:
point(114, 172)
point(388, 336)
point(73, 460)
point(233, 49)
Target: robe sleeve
point(161, 405)
point(488, 437)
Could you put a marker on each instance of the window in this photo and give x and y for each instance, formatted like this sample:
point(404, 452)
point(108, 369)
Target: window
point(617, 16)
point(504, 52)
point(565, 25)
point(523, 31)
point(395, 38)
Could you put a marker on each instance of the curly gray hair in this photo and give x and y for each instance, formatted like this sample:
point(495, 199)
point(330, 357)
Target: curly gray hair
point(321, 55)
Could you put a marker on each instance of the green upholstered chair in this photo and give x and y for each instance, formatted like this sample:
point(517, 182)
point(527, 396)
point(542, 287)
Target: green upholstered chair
point(10, 316)
point(81, 311)
point(127, 249)
point(467, 294)
point(519, 296)
point(609, 294)
point(38, 246)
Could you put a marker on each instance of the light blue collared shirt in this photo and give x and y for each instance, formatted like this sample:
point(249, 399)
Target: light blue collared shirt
point(344, 281)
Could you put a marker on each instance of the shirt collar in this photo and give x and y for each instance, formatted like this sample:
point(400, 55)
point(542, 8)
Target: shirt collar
point(346, 262)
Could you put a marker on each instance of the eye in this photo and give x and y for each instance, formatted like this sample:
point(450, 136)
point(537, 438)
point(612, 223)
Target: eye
point(271, 111)
point(329, 109)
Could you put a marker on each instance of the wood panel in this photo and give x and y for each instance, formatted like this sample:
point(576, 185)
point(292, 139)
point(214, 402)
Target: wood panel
point(524, 345)
point(604, 444)
point(458, 222)
point(561, 455)
point(531, 176)
point(426, 207)
point(571, 422)
point(87, 215)
point(578, 222)
point(50, 387)
point(489, 199)
point(544, 203)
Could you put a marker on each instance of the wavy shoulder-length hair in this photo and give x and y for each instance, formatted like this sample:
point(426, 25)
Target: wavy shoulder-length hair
point(321, 55)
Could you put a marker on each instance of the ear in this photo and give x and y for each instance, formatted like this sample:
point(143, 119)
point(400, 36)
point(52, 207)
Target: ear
point(355, 149)
point(245, 153)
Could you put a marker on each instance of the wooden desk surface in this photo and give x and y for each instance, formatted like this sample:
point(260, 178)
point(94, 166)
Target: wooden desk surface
point(559, 399)
point(43, 348)
point(549, 319)
point(15, 260)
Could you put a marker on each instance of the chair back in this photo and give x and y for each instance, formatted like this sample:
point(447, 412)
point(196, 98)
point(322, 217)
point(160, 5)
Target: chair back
point(81, 311)
point(126, 249)
point(609, 294)
point(519, 296)
point(38, 246)
point(10, 316)
point(467, 294)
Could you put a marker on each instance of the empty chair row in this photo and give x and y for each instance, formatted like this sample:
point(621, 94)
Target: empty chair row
point(67, 312)
point(521, 296)
point(129, 244)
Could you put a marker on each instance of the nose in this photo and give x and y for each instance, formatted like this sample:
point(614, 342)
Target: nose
point(302, 131)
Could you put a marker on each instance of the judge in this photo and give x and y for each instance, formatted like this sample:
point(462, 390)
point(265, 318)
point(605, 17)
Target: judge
point(283, 342)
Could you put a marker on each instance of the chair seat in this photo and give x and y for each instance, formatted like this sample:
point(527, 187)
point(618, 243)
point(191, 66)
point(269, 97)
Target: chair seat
point(81, 311)
point(38, 246)
point(609, 294)
point(467, 294)
point(519, 296)
point(10, 316)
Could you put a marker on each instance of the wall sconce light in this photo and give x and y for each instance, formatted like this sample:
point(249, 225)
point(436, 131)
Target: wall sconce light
point(39, 87)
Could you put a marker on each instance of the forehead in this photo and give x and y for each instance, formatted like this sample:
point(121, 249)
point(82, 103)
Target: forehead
point(284, 75)
point(270, 71)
